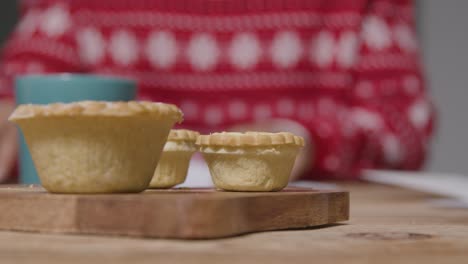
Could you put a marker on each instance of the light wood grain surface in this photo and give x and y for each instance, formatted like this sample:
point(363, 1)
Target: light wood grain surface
point(388, 225)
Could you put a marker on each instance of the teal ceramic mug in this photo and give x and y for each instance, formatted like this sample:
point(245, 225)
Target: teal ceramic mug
point(65, 88)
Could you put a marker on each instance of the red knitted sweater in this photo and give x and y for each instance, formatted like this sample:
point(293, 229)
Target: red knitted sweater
point(347, 70)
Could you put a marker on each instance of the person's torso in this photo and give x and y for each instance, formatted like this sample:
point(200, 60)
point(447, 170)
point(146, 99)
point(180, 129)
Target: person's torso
point(223, 61)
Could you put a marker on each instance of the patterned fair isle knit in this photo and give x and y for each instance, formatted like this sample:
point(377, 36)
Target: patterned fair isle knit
point(347, 70)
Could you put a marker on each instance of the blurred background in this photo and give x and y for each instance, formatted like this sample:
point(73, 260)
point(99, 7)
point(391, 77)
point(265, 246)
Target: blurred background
point(442, 28)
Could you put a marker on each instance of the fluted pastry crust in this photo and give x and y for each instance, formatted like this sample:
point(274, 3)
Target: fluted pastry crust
point(98, 108)
point(235, 139)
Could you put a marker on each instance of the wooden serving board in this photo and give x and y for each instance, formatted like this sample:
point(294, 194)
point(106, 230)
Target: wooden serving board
point(173, 213)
